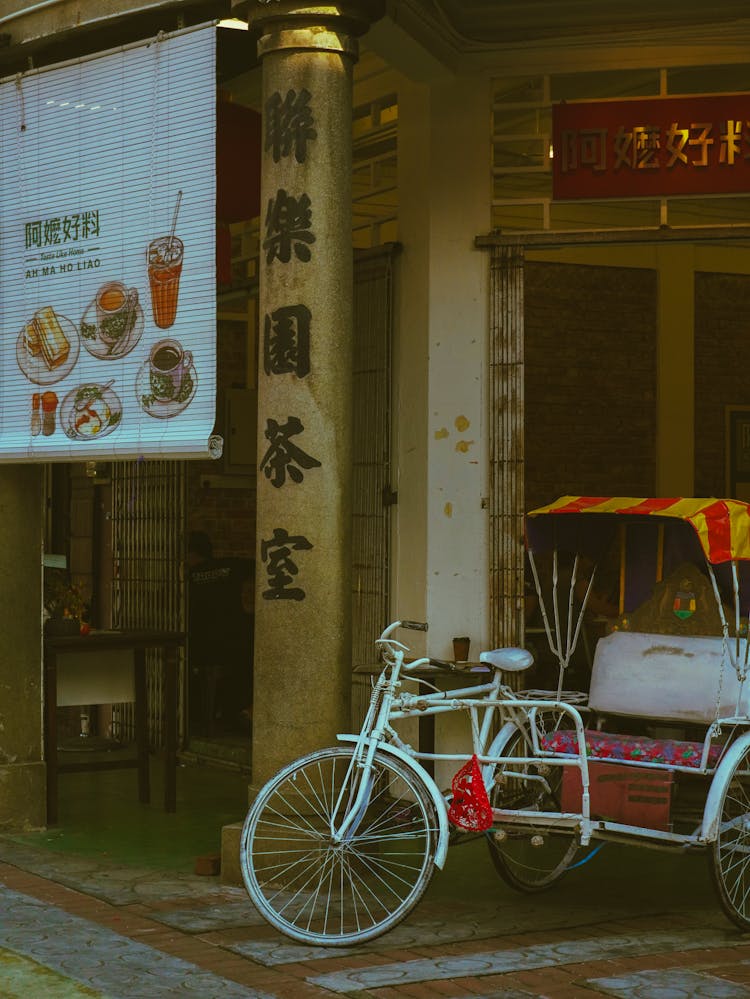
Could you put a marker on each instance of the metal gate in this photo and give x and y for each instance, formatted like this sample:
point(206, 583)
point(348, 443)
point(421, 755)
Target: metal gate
point(506, 446)
point(148, 589)
point(372, 496)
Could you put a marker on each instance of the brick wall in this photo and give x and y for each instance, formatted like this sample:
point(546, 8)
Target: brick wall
point(590, 381)
point(722, 307)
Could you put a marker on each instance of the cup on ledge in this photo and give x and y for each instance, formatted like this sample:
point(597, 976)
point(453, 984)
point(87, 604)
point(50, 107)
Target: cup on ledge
point(461, 648)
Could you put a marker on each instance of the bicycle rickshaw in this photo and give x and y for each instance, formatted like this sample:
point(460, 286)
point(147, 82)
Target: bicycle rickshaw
point(340, 845)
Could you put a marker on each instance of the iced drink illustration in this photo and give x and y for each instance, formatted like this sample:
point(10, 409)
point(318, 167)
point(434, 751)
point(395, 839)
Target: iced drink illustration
point(164, 269)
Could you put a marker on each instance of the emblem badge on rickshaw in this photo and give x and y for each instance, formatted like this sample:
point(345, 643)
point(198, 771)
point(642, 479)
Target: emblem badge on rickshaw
point(684, 604)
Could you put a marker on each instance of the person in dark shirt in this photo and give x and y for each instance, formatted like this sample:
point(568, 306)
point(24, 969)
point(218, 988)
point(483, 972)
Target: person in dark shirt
point(220, 639)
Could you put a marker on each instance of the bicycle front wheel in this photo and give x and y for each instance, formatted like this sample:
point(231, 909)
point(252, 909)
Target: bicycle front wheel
point(318, 890)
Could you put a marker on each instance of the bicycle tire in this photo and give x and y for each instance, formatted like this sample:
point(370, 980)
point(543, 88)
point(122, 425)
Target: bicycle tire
point(329, 894)
point(730, 856)
point(524, 866)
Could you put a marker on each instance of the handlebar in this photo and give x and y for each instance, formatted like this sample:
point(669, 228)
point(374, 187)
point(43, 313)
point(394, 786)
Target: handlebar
point(438, 663)
point(385, 639)
point(414, 625)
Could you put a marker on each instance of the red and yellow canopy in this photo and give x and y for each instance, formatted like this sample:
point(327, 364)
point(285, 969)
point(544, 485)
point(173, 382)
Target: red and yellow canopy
point(722, 525)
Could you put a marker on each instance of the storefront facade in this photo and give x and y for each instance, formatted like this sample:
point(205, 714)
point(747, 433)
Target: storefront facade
point(520, 368)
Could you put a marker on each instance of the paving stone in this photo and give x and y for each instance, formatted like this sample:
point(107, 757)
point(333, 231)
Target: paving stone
point(204, 919)
point(100, 879)
point(524, 958)
point(502, 994)
point(23, 978)
point(91, 956)
point(459, 943)
point(674, 983)
point(479, 924)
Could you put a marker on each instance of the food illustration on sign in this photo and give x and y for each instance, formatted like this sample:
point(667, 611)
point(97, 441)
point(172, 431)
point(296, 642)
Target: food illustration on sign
point(47, 347)
point(166, 382)
point(90, 411)
point(44, 336)
point(49, 409)
point(164, 269)
point(113, 321)
point(36, 416)
point(111, 326)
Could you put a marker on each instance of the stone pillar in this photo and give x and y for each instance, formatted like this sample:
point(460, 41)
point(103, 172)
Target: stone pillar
point(302, 672)
point(22, 772)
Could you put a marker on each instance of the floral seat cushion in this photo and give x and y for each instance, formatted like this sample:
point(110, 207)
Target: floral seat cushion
point(638, 748)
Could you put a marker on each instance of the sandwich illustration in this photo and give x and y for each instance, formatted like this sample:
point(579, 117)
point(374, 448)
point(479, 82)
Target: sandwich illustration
point(44, 337)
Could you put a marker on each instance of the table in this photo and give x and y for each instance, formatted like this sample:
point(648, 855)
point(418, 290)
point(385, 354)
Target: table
point(105, 643)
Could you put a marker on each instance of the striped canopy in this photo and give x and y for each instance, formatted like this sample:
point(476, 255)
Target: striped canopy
point(721, 525)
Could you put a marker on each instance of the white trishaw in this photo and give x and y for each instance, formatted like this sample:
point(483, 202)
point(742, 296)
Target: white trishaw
point(340, 845)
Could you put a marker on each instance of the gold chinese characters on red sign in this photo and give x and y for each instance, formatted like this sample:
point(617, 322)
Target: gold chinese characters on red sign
point(653, 147)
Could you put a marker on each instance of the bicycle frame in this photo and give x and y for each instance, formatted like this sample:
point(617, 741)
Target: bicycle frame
point(493, 707)
point(492, 701)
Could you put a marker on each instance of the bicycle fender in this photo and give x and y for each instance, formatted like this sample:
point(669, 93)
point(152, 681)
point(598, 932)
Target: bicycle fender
point(441, 849)
point(719, 784)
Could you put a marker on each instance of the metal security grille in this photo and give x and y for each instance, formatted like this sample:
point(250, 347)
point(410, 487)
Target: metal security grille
point(148, 591)
point(372, 496)
point(506, 447)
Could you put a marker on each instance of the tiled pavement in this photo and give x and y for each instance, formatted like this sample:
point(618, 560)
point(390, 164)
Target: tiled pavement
point(73, 928)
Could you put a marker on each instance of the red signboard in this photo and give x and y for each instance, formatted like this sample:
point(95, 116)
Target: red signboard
point(655, 147)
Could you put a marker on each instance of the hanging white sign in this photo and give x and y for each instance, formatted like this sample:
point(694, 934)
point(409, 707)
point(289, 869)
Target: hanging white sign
point(107, 255)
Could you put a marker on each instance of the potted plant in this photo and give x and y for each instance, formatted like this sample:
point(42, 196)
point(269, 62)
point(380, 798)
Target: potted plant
point(64, 604)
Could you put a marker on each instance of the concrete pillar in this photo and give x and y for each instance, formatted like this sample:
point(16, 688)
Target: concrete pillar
point(22, 772)
point(458, 441)
point(302, 672)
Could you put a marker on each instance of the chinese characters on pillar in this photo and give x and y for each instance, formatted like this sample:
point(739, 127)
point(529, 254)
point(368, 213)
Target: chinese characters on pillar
point(646, 148)
point(288, 240)
point(288, 228)
point(283, 457)
point(286, 341)
point(276, 553)
point(289, 125)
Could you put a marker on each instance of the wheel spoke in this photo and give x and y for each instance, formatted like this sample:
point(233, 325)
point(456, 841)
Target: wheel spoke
point(318, 889)
point(357, 895)
point(731, 853)
point(315, 897)
point(526, 867)
point(370, 864)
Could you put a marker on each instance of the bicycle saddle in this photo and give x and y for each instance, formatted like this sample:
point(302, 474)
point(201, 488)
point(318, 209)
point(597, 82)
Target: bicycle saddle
point(511, 660)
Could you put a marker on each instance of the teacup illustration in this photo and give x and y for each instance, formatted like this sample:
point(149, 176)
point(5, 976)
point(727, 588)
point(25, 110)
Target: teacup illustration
point(115, 311)
point(168, 366)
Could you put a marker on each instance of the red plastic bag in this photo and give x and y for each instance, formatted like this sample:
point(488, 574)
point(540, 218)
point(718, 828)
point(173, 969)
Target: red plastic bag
point(470, 808)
